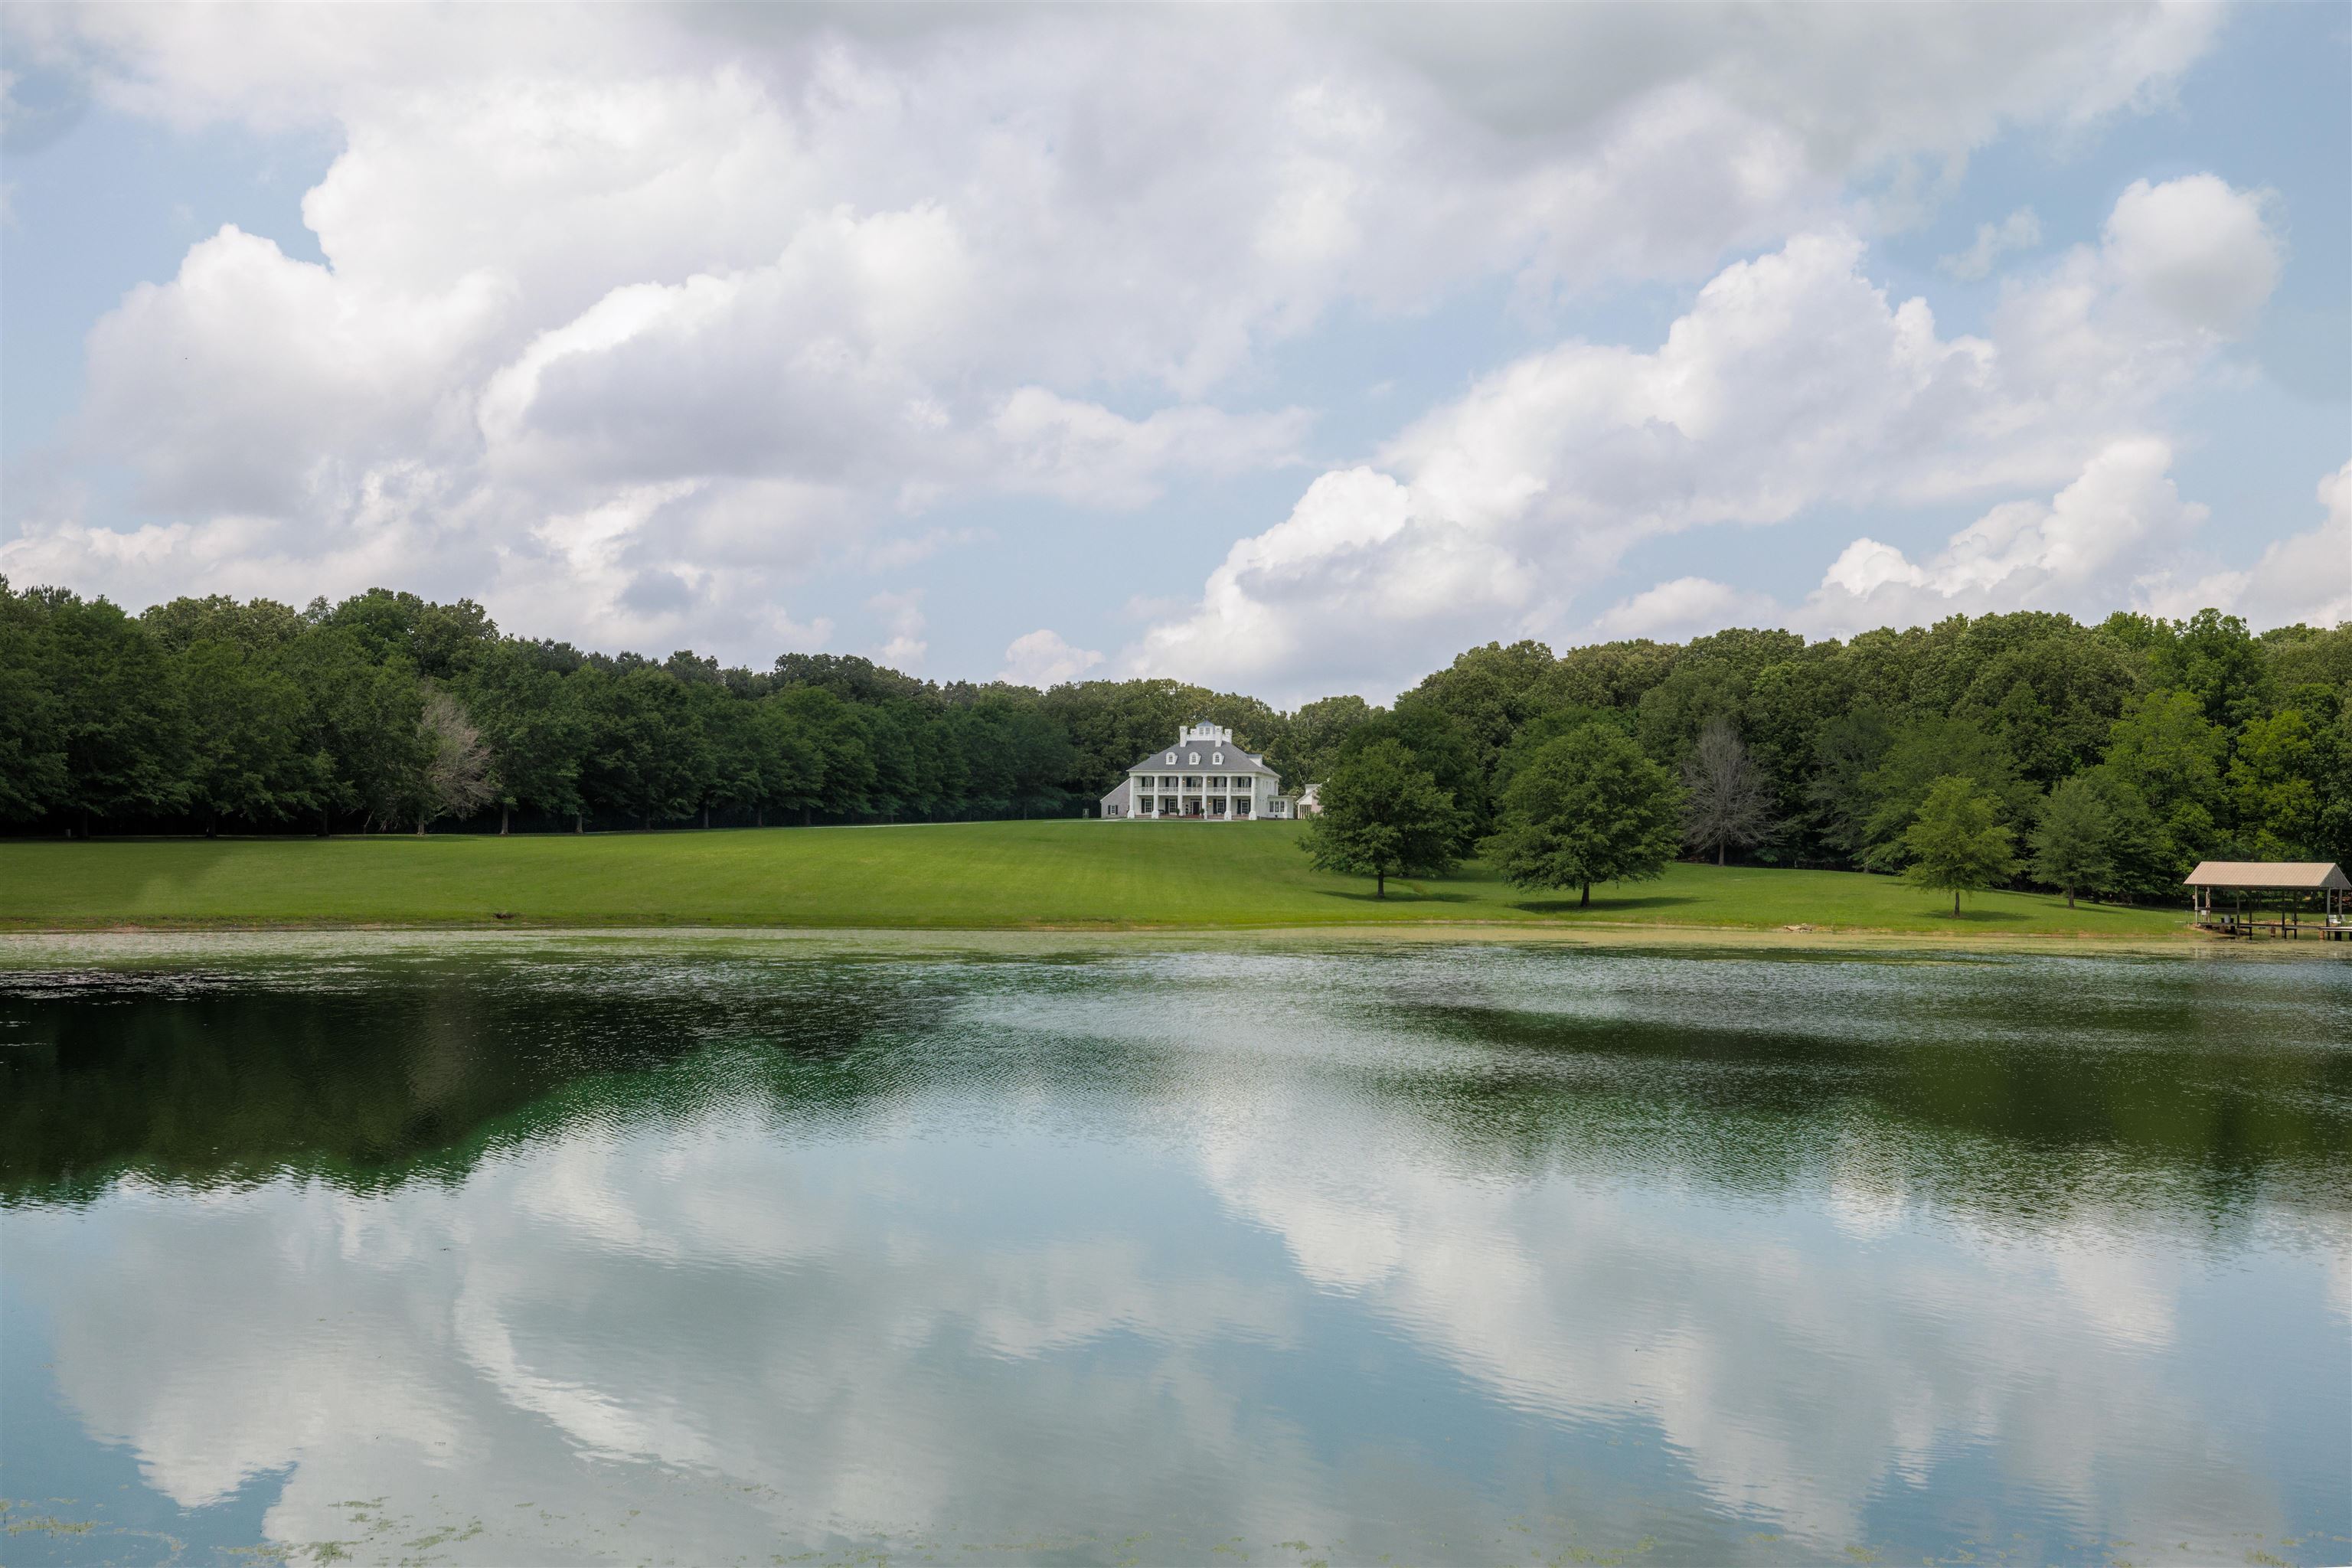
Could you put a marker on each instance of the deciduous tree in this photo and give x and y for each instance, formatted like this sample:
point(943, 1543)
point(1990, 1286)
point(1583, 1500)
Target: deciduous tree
point(1725, 798)
point(2071, 846)
point(1586, 807)
point(1383, 816)
point(455, 778)
point(244, 727)
point(1956, 841)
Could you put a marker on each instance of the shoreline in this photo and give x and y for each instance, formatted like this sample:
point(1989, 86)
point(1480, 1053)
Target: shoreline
point(24, 941)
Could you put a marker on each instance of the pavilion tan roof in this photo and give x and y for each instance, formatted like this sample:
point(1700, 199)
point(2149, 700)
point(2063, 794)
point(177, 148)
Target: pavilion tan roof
point(2312, 874)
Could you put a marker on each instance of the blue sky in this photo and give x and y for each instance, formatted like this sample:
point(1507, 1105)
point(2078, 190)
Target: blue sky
point(1290, 350)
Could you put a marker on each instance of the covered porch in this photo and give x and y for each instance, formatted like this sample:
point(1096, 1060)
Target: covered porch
point(2282, 897)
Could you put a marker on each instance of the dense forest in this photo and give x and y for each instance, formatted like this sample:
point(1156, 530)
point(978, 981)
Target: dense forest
point(386, 713)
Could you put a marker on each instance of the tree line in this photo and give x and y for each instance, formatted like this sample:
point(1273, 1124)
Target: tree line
point(2107, 758)
point(2104, 760)
point(388, 713)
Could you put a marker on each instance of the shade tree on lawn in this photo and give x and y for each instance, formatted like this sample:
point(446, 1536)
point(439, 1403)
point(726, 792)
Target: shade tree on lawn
point(1956, 842)
point(1586, 807)
point(1383, 816)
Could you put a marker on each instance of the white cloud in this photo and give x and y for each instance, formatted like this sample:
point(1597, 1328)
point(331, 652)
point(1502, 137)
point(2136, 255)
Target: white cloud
point(1083, 452)
point(2305, 577)
point(902, 616)
point(2020, 231)
point(2119, 535)
point(1319, 595)
point(1042, 658)
point(808, 278)
point(1793, 382)
point(2094, 545)
point(896, 555)
point(2196, 248)
point(1683, 608)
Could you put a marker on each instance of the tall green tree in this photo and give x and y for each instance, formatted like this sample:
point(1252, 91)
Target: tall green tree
point(440, 641)
point(1586, 807)
point(845, 771)
point(1438, 746)
point(1314, 738)
point(2216, 659)
point(791, 765)
point(1672, 714)
point(359, 726)
point(2050, 697)
point(729, 778)
point(647, 758)
point(1383, 816)
point(32, 730)
point(257, 625)
point(1956, 841)
point(1927, 749)
point(2276, 787)
point(1841, 793)
point(123, 728)
point(1111, 723)
point(528, 714)
point(1489, 693)
point(2144, 860)
point(1610, 675)
point(2165, 751)
point(2073, 848)
point(1548, 726)
point(245, 726)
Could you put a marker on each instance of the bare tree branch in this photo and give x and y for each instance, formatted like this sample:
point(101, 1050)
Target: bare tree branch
point(1727, 800)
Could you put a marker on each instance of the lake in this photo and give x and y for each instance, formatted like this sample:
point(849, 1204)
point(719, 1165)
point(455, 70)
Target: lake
point(703, 1250)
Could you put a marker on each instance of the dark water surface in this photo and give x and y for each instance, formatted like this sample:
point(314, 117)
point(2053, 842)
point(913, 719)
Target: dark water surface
point(699, 1250)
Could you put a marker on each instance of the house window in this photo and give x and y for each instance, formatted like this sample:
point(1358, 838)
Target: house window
point(1241, 805)
point(1243, 781)
point(1192, 781)
point(1168, 806)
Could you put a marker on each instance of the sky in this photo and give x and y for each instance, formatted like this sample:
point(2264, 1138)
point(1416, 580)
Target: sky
point(1287, 350)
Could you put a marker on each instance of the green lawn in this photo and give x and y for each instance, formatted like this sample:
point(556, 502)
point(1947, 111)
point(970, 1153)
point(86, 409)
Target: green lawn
point(1010, 875)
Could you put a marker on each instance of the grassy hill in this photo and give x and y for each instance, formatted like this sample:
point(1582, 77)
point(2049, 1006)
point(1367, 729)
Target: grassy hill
point(1010, 875)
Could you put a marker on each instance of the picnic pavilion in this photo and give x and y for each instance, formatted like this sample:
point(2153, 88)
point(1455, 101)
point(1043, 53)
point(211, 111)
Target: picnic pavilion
point(2230, 897)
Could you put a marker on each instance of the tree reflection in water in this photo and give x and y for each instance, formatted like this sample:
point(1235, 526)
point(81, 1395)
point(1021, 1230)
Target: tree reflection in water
point(1470, 1255)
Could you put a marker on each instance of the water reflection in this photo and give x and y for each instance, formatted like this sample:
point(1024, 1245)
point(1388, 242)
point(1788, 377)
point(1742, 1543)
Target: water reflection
point(565, 1251)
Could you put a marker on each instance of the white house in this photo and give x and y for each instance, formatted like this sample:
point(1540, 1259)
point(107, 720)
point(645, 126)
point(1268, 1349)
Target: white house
point(1205, 777)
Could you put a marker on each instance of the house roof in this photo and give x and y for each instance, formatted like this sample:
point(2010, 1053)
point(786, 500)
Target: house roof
point(1236, 758)
point(2307, 875)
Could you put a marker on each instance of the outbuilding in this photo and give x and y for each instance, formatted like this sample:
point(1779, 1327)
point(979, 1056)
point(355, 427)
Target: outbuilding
point(2229, 896)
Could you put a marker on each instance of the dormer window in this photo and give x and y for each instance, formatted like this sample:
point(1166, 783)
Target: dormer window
point(1172, 758)
point(1195, 757)
point(1218, 758)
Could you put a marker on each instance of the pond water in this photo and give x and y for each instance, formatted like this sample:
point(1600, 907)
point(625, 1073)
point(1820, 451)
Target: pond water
point(699, 1250)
